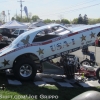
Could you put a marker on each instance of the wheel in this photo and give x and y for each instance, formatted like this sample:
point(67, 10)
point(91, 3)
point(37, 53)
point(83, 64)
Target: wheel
point(25, 69)
point(85, 62)
point(88, 62)
point(98, 73)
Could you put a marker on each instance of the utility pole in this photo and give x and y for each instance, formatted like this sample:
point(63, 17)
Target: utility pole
point(8, 15)
point(21, 7)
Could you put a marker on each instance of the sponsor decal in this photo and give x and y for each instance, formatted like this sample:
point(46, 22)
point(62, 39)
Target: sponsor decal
point(83, 38)
point(65, 44)
point(53, 48)
point(6, 62)
point(88, 42)
point(60, 54)
point(73, 41)
point(51, 57)
point(82, 43)
point(40, 51)
point(59, 46)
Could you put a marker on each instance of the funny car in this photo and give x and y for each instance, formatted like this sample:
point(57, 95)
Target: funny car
point(42, 44)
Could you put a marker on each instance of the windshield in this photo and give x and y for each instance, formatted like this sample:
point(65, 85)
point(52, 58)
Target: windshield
point(1, 30)
point(16, 31)
point(17, 40)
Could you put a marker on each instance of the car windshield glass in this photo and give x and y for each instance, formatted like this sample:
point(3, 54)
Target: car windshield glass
point(17, 40)
point(16, 31)
point(1, 30)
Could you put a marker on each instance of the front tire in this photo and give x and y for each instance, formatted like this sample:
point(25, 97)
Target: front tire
point(25, 69)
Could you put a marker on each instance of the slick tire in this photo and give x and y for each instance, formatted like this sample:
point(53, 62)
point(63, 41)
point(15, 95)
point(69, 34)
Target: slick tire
point(98, 73)
point(25, 69)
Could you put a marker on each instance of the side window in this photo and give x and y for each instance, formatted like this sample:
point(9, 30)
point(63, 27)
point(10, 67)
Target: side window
point(16, 32)
point(21, 31)
point(44, 35)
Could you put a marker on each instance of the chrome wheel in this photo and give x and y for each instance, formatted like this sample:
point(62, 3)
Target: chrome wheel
point(25, 70)
point(85, 63)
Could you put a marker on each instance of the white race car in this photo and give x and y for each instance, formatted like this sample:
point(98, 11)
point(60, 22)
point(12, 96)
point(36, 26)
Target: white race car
point(42, 44)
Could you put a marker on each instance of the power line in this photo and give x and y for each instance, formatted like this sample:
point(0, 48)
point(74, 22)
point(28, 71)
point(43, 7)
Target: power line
point(21, 7)
point(73, 10)
point(71, 6)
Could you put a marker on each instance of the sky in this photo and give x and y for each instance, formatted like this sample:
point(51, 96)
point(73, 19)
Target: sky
point(53, 9)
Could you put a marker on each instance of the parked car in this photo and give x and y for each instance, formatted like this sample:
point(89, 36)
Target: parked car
point(17, 32)
point(5, 32)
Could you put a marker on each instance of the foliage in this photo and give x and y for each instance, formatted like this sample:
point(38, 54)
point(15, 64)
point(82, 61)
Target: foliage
point(57, 21)
point(80, 20)
point(94, 21)
point(47, 21)
point(75, 21)
point(65, 21)
point(35, 18)
point(85, 19)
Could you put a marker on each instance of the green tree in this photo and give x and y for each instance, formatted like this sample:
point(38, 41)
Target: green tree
point(35, 18)
point(12, 18)
point(85, 19)
point(75, 21)
point(93, 21)
point(57, 21)
point(47, 21)
point(65, 21)
point(80, 19)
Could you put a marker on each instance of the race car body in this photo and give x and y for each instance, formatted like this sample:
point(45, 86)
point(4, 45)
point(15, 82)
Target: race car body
point(45, 43)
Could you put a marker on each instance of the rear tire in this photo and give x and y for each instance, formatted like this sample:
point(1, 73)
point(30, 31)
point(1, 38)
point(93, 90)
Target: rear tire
point(98, 73)
point(25, 69)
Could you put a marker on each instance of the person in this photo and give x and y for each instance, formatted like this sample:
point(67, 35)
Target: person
point(96, 42)
point(86, 51)
point(0, 37)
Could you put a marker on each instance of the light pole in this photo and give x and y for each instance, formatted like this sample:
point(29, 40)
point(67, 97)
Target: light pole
point(21, 7)
point(8, 15)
